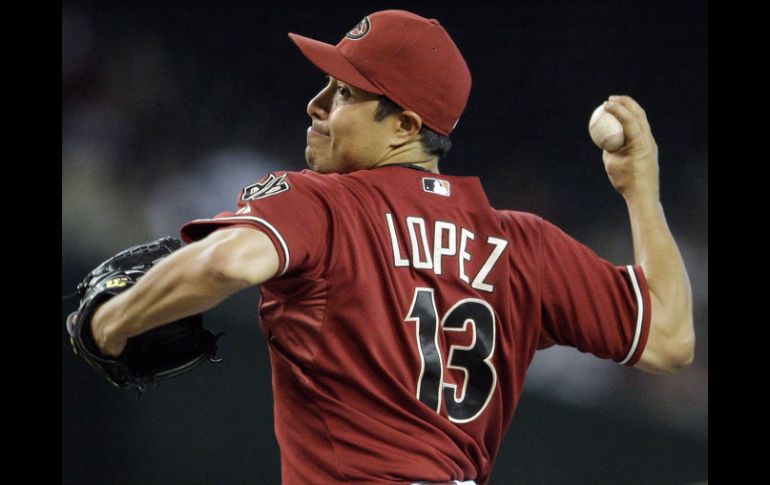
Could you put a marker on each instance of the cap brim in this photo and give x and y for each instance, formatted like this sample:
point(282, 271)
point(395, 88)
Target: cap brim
point(327, 58)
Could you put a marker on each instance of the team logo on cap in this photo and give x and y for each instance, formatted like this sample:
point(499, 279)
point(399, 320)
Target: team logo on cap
point(360, 30)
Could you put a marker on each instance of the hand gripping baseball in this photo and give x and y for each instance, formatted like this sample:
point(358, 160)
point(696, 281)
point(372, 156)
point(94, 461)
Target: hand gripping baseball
point(633, 169)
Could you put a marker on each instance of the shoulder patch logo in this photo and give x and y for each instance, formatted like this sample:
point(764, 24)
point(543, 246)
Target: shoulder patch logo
point(436, 186)
point(360, 30)
point(271, 186)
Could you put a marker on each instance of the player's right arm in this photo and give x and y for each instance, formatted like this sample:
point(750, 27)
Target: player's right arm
point(189, 281)
point(633, 171)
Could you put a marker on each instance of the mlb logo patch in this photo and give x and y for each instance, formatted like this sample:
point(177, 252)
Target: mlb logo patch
point(435, 186)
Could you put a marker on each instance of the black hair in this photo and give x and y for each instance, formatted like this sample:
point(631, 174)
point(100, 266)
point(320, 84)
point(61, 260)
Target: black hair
point(432, 142)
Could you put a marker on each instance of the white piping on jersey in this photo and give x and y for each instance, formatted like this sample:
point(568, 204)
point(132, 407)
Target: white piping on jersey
point(639, 314)
point(455, 482)
point(264, 223)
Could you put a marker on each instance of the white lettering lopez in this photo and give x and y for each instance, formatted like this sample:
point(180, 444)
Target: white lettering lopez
point(421, 254)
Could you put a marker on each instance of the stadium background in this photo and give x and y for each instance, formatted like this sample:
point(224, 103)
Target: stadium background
point(170, 108)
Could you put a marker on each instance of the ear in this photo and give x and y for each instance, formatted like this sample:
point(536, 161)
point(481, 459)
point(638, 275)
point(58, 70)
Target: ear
point(408, 125)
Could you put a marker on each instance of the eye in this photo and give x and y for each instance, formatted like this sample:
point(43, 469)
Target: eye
point(343, 91)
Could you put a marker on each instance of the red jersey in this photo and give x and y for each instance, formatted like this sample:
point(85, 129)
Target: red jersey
point(405, 313)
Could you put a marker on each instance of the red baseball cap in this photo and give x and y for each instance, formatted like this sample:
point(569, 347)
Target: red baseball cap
point(408, 58)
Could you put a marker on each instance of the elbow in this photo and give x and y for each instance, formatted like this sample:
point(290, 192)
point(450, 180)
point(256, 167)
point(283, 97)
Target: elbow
point(235, 259)
point(678, 353)
point(671, 340)
point(668, 353)
point(680, 356)
point(221, 270)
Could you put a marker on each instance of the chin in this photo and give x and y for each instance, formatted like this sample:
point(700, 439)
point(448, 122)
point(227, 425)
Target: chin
point(310, 159)
point(313, 164)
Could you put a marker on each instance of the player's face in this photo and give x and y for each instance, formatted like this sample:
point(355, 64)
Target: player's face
point(344, 136)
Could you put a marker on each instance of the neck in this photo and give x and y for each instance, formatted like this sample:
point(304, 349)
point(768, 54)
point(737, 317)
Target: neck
point(409, 153)
point(429, 165)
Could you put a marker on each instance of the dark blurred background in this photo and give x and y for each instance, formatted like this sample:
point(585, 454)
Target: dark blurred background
point(170, 108)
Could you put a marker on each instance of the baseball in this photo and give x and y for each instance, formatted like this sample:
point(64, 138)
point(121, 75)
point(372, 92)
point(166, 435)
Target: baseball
point(606, 131)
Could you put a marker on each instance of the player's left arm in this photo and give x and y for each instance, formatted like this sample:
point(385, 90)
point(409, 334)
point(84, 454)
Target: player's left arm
point(633, 171)
point(191, 280)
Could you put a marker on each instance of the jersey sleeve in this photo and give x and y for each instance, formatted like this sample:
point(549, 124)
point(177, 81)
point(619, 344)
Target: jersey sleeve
point(290, 208)
point(589, 303)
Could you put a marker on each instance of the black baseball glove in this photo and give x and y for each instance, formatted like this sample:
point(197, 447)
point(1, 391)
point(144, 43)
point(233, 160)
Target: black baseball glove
point(160, 353)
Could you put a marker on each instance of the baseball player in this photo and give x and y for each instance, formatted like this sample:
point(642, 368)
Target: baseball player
point(401, 310)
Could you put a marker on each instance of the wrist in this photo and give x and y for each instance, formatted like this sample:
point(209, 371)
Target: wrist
point(642, 198)
point(107, 331)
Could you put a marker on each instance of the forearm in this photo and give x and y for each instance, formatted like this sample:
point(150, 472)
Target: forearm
point(178, 286)
point(671, 337)
point(190, 281)
point(633, 171)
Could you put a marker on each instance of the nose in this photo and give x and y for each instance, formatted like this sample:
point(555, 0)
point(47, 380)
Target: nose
point(318, 107)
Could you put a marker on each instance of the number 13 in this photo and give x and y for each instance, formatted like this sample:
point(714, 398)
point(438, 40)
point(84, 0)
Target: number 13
point(473, 360)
